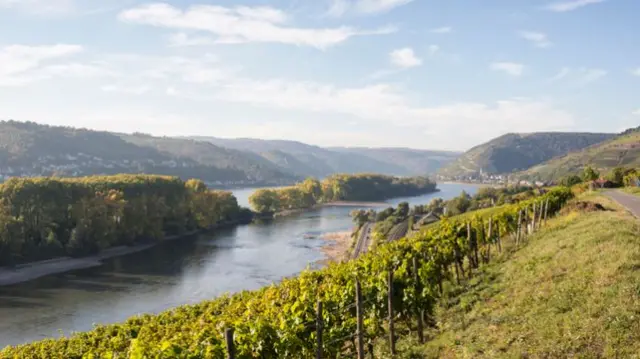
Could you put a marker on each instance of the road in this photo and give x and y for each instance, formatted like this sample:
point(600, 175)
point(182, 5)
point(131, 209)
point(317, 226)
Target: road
point(629, 201)
point(364, 238)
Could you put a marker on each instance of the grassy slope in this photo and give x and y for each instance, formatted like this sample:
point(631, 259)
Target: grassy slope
point(572, 291)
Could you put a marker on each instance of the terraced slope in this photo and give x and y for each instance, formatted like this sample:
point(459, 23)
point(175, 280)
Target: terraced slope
point(519, 151)
point(623, 150)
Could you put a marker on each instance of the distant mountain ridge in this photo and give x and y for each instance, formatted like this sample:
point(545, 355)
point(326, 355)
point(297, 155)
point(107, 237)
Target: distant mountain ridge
point(31, 149)
point(304, 159)
point(519, 151)
point(621, 150)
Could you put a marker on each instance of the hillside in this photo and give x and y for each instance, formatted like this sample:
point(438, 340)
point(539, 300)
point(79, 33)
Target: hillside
point(30, 149)
point(411, 160)
point(570, 292)
point(514, 151)
point(207, 154)
point(623, 150)
point(308, 160)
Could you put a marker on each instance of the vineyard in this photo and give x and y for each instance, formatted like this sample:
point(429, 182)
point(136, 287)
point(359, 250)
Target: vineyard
point(336, 312)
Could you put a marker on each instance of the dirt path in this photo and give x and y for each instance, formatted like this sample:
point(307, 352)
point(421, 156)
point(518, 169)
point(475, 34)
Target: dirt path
point(628, 201)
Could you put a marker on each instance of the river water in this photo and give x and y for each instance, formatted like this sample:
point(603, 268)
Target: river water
point(177, 272)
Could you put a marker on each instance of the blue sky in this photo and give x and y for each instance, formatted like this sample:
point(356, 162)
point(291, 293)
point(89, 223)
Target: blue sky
point(437, 74)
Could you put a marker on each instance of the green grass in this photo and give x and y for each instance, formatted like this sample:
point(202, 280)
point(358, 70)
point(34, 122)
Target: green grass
point(632, 190)
point(572, 291)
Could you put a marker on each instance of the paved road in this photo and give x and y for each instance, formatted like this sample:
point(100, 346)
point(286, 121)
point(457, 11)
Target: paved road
point(629, 201)
point(364, 237)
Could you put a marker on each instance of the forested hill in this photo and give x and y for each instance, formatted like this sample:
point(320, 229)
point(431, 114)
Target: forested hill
point(518, 151)
point(623, 150)
point(308, 160)
point(30, 149)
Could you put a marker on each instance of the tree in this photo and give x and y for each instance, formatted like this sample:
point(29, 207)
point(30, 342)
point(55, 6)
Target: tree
point(265, 201)
point(459, 204)
point(570, 180)
point(381, 216)
point(590, 174)
point(360, 217)
point(436, 206)
point(403, 210)
point(618, 174)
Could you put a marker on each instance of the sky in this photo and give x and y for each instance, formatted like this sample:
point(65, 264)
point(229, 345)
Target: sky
point(431, 74)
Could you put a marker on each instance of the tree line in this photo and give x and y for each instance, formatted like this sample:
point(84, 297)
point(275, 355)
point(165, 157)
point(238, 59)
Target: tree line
point(339, 187)
point(618, 177)
point(43, 218)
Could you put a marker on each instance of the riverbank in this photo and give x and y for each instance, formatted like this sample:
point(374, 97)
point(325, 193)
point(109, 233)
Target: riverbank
point(338, 246)
point(354, 204)
point(34, 270)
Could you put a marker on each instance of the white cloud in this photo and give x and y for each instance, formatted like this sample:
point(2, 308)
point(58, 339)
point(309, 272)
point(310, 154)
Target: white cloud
point(571, 5)
point(40, 7)
point(380, 102)
point(636, 72)
point(384, 73)
point(376, 6)
point(405, 58)
point(636, 112)
point(537, 38)
point(564, 72)
point(21, 64)
point(433, 49)
point(182, 39)
point(242, 24)
point(580, 76)
point(442, 30)
point(341, 7)
point(129, 90)
point(591, 75)
point(463, 122)
point(59, 8)
point(510, 68)
point(205, 82)
point(197, 70)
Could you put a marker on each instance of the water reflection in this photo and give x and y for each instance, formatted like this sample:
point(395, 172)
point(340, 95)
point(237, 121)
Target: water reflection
point(173, 273)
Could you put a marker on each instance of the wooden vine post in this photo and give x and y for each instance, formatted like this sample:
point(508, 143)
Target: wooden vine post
point(540, 213)
point(482, 234)
point(474, 245)
point(419, 311)
point(519, 228)
point(498, 237)
point(231, 347)
point(360, 325)
point(533, 218)
point(392, 331)
point(546, 210)
point(319, 331)
point(526, 222)
point(489, 239)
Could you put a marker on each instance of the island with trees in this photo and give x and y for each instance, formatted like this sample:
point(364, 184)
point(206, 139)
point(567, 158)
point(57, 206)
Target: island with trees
point(339, 187)
point(48, 217)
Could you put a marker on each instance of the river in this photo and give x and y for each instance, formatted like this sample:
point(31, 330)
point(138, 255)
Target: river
point(177, 272)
